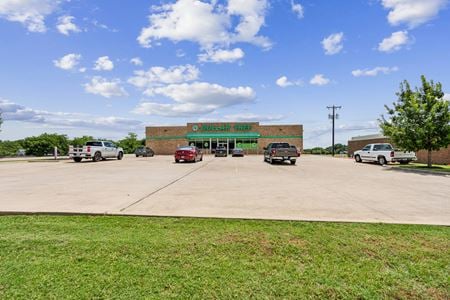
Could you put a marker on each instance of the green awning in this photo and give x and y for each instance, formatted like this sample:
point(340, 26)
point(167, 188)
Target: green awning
point(223, 135)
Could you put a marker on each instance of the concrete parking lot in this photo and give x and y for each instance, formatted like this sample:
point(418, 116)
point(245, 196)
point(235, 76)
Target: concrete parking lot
point(317, 188)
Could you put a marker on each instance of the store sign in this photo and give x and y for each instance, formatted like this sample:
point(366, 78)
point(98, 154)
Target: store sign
point(221, 127)
point(247, 145)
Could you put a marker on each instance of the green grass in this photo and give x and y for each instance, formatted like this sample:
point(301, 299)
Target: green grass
point(54, 257)
point(434, 168)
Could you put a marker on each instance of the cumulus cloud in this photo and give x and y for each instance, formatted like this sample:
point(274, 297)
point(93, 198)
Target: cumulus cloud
point(283, 82)
point(103, 87)
point(103, 63)
point(297, 8)
point(16, 112)
point(374, 72)
point(412, 12)
point(30, 13)
point(68, 62)
point(395, 42)
point(157, 76)
point(221, 56)
point(333, 43)
point(195, 99)
point(319, 79)
point(65, 25)
point(136, 61)
point(209, 24)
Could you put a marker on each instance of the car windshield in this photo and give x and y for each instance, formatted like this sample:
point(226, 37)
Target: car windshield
point(382, 147)
point(237, 149)
point(280, 145)
point(186, 148)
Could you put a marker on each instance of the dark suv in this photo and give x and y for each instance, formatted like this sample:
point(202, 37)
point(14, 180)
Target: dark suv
point(144, 151)
point(221, 151)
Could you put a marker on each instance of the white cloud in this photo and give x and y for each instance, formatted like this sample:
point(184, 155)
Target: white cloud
point(250, 117)
point(136, 61)
point(395, 42)
point(68, 62)
point(220, 56)
point(374, 72)
point(283, 82)
point(16, 112)
point(103, 87)
point(208, 24)
point(333, 44)
point(30, 13)
point(103, 63)
point(180, 53)
point(65, 25)
point(82, 70)
point(447, 97)
point(412, 12)
point(297, 8)
point(195, 99)
point(157, 76)
point(319, 79)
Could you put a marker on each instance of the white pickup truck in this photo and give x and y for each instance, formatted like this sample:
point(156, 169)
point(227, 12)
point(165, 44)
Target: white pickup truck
point(97, 150)
point(383, 154)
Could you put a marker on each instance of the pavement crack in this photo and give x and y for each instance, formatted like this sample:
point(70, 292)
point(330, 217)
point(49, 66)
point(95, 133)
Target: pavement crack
point(166, 186)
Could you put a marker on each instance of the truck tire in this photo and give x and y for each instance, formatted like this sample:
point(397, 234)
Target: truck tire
point(77, 159)
point(382, 160)
point(177, 161)
point(293, 162)
point(358, 159)
point(97, 157)
point(120, 156)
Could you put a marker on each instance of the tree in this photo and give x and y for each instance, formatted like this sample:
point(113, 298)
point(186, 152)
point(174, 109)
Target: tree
point(81, 141)
point(420, 119)
point(1, 120)
point(45, 143)
point(130, 143)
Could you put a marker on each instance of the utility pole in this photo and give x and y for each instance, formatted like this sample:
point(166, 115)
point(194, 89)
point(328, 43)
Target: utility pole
point(333, 116)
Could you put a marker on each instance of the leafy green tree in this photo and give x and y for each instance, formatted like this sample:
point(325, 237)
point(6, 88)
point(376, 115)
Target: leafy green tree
point(338, 148)
point(420, 119)
point(130, 143)
point(10, 148)
point(45, 143)
point(80, 141)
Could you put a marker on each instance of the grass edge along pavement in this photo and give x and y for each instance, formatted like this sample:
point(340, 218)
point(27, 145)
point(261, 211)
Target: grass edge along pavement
point(136, 257)
point(423, 168)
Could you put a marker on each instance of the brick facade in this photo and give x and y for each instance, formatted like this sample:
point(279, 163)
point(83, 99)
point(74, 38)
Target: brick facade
point(165, 139)
point(437, 157)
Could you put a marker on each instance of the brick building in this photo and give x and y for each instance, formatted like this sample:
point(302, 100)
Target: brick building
point(437, 157)
point(250, 136)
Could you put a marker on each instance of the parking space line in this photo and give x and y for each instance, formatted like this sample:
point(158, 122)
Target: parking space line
point(166, 186)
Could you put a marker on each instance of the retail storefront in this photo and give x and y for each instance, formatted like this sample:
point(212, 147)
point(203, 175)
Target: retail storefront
point(251, 137)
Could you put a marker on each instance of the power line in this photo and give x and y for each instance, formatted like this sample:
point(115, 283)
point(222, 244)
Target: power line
point(333, 116)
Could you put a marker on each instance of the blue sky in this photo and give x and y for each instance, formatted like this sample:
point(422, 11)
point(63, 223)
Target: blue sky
point(104, 68)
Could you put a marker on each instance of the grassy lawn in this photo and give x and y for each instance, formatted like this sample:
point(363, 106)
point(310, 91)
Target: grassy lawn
point(436, 168)
point(53, 257)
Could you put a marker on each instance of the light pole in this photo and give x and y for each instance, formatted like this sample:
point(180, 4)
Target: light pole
point(333, 116)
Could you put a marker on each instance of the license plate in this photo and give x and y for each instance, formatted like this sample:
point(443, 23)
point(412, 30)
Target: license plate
point(285, 157)
point(182, 157)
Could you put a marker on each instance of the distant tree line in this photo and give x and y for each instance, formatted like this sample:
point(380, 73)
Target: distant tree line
point(44, 144)
point(338, 148)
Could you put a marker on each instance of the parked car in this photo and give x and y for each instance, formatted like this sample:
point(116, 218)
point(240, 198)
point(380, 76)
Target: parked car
point(221, 151)
point(280, 152)
point(144, 151)
point(237, 152)
point(188, 153)
point(97, 150)
point(383, 154)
